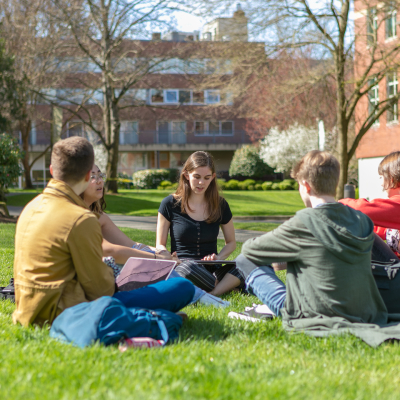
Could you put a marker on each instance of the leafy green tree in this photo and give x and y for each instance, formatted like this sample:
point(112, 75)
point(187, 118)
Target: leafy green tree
point(10, 104)
point(10, 157)
point(247, 162)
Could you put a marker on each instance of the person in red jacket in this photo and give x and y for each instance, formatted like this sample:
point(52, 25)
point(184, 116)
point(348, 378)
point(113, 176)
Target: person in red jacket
point(384, 213)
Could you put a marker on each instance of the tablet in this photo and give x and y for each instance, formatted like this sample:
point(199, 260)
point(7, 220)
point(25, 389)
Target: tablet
point(140, 272)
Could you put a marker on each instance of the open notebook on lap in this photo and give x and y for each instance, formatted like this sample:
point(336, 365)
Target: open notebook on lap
point(140, 272)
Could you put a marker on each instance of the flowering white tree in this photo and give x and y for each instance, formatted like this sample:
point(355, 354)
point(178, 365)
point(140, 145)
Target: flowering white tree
point(283, 149)
point(100, 157)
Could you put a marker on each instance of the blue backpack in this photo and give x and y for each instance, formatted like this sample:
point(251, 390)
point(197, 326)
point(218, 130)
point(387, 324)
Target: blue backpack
point(107, 320)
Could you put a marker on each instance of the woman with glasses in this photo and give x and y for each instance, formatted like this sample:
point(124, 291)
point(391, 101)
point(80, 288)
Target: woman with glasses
point(115, 243)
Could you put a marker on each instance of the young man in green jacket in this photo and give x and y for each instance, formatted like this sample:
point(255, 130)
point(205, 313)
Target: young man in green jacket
point(327, 247)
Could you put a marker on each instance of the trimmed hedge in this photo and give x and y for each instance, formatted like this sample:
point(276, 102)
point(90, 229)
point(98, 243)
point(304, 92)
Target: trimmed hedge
point(152, 178)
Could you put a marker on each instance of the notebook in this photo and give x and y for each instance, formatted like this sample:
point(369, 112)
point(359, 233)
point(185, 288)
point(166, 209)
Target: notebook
point(140, 272)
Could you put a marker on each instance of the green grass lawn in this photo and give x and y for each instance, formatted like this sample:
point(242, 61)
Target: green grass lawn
point(147, 202)
point(256, 226)
point(215, 358)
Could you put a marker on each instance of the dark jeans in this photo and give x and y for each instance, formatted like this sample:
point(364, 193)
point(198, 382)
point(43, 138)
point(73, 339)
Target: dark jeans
point(381, 251)
point(171, 295)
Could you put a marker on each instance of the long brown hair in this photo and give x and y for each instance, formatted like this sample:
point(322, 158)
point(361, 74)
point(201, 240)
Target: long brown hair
point(98, 206)
point(389, 168)
point(213, 199)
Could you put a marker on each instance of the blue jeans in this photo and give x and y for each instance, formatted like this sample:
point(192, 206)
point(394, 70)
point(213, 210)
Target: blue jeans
point(263, 283)
point(197, 291)
point(171, 295)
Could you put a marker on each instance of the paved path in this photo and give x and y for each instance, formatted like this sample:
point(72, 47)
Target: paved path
point(150, 223)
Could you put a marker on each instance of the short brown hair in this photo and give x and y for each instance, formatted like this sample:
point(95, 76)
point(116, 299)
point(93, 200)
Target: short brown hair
point(72, 159)
point(320, 170)
point(389, 168)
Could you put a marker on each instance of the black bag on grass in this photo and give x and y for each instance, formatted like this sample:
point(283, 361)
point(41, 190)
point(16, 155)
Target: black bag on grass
point(387, 278)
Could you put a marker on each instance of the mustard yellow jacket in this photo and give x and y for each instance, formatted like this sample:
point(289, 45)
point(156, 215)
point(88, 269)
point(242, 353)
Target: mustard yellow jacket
point(58, 256)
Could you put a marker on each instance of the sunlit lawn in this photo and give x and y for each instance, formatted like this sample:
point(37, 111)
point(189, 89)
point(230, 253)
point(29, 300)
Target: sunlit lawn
point(147, 202)
point(215, 358)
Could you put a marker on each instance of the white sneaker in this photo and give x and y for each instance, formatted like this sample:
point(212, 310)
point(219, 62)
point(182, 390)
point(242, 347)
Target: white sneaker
point(244, 317)
point(210, 300)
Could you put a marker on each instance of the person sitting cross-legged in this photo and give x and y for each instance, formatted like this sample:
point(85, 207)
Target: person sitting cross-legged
point(327, 247)
point(58, 249)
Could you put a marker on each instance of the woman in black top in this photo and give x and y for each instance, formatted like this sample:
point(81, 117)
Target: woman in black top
point(193, 215)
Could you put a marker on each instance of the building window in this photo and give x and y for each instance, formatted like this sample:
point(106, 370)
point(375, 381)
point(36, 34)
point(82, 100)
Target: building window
point(226, 128)
point(128, 133)
point(32, 134)
point(185, 97)
point(198, 97)
point(373, 96)
point(390, 22)
point(372, 26)
point(171, 132)
point(171, 96)
point(157, 96)
point(392, 82)
point(212, 96)
point(76, 128)
point(213, 128)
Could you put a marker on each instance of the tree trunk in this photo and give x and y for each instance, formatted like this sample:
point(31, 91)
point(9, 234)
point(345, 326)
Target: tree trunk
point(25, 129)
point(342, 122)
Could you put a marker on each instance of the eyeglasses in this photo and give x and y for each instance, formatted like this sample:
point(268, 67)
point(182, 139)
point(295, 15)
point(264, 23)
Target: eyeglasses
point(99, 177)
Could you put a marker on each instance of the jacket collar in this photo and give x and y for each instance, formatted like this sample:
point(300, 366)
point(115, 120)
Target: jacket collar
point(62, 189)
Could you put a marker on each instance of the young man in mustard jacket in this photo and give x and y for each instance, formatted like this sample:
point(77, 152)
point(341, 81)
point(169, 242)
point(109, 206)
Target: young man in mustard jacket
point(58, 254)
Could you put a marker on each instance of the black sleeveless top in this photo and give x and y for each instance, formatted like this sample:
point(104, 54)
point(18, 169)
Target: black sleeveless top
point(191, 238)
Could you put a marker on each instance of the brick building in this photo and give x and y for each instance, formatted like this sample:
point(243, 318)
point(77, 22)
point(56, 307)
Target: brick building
point(180, 108)
point(377, 22)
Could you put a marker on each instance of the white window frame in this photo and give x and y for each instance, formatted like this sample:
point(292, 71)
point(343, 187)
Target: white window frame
point(207, 130)
point(170, 131)
point(391, 15)
point(210, 92)
point(373, 98)
point(395, 110)
point(176, 91)
point(372, 26)
point(122, 133)
point(177, 96)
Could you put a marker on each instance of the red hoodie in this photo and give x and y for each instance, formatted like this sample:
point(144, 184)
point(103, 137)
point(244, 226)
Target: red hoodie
point(384, 213)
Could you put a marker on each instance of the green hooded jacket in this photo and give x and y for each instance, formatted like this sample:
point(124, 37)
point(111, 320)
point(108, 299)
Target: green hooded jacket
point(328, 253)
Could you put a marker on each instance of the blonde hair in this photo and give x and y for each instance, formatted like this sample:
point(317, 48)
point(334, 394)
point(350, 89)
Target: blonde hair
point(389, 168)
point(213, 199)
point(320, 170)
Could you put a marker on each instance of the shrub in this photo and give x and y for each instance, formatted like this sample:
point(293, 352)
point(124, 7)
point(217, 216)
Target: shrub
point(172, 187)
point(10, 169)
point(247, 162)
point(221, 183)
point(267, 186)
point(165, 183)
point(258, 186)
point(251, 187)
point(152, 178)
point(275, 186)
point(296, 185)
point(124, 181)
point(242, 186)
point(249, 182)
point(286, 184)
point(233, 184)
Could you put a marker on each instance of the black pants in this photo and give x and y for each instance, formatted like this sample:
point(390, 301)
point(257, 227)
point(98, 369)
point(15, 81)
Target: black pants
point(204, 276)
point(381, 251)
